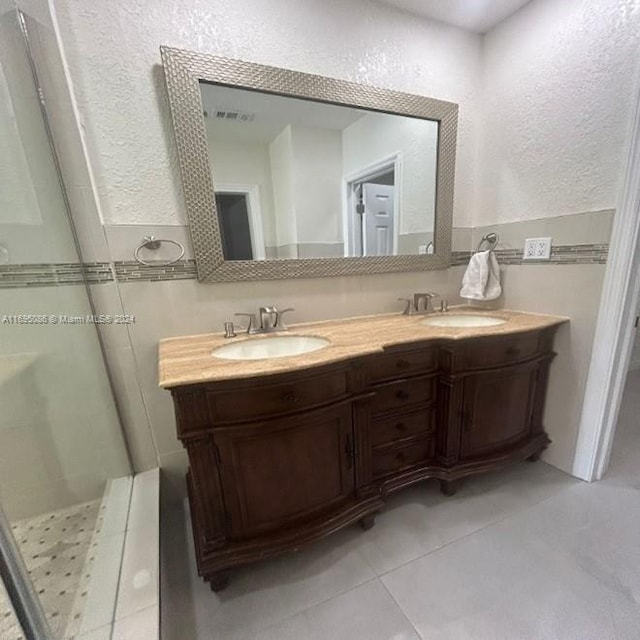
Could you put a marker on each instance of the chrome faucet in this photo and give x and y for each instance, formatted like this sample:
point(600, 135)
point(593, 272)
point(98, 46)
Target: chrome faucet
point(270, 320)
point(421, 303)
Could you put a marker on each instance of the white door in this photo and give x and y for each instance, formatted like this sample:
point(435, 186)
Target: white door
point(377, 219)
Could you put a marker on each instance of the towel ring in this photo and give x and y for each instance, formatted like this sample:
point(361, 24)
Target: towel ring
point(491, 238)
point(153, 243)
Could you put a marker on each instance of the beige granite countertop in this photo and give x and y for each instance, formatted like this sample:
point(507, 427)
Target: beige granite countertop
point(188, 360)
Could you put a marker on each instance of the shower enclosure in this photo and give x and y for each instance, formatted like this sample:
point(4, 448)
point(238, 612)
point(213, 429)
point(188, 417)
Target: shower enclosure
point(64, 467)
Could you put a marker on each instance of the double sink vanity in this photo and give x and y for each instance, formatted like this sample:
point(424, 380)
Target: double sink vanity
point(293, 436)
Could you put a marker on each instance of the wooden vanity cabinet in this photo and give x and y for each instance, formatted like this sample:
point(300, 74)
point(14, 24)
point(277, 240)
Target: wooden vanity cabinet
point(280, 460)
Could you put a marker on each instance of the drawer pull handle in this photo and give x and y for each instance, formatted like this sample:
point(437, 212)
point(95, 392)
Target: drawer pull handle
point(292, 398)
point(402, 364)
point(401, 426)
point(402, 395)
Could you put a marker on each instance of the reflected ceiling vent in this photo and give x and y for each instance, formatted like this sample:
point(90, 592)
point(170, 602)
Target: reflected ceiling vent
point(230, 114)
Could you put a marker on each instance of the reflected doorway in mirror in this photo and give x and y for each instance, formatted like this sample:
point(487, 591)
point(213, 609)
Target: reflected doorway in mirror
point(240, 221)
point(370, 209)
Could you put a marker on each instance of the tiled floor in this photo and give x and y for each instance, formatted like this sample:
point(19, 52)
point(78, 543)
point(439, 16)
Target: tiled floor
point(529, 553)
point(56, 548)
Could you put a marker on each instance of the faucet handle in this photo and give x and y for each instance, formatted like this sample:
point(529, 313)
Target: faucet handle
point(427, 297)
point(407, 309)
point(252, 324)
point(279, 324)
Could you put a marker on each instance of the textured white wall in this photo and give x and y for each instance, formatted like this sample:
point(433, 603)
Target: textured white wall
point(115, 63)
point(558, 83)
point(377, 136)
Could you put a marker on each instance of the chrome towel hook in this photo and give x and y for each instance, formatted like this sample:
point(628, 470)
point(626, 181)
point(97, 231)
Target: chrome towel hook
point(153, 243)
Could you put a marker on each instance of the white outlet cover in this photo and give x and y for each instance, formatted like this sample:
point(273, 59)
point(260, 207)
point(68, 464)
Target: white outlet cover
point(537, 249)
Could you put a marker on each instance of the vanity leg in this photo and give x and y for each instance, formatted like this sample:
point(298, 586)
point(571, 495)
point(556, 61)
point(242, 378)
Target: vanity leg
point(449, 487)
point(219, 581)
point(534, 457)
point(367, 522)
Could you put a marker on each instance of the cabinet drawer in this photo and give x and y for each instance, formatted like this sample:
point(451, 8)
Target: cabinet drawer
point(502, 350)
point(404, 363)
point(395, 395)
point(402, 426)
point(267, 400)
point(387, 461)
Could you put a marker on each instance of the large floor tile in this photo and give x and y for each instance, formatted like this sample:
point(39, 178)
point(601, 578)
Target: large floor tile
point(420, 519)
point(521, 486)
point(599, 526)
point(259, 595)
point(142, 625)
point(366, 613)
point(508, 582)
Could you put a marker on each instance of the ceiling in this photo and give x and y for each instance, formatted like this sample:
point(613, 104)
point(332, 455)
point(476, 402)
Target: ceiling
point(479, 16)
point(268, 113)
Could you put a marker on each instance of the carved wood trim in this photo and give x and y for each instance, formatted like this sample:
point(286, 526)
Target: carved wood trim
point(208, 498)
point(449, 418)
point(362, 434)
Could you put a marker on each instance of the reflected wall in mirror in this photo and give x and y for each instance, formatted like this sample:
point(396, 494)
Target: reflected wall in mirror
point(300, 179)
point(293, 175)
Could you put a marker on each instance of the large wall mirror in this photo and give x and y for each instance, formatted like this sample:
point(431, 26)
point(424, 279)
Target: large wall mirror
point(288, 174)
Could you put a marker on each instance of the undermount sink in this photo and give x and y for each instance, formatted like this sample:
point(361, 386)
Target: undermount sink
point(270, 347)
point(460, 320)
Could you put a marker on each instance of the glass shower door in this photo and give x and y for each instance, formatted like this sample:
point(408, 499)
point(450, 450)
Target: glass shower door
point(60, 438)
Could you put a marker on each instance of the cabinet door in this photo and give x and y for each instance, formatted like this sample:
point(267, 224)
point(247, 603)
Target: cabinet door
point(279, 471)
point(497, 408)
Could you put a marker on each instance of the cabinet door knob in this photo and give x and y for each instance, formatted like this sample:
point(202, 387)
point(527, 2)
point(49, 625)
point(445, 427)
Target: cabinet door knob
point(292, 398)
point(402, 395)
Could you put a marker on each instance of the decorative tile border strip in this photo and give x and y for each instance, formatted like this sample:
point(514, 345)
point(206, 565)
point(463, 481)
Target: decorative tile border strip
point(55, 274)
point(560, 254)
point(14, 276)
point(132, 271)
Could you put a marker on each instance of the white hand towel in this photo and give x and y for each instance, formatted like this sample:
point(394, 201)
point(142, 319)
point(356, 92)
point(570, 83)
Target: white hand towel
point(481, 280)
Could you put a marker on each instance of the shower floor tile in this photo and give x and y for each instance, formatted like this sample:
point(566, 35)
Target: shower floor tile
point(57, 549)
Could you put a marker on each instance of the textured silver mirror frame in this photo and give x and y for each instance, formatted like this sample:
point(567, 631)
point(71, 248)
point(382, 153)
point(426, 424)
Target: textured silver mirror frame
point(183, 72)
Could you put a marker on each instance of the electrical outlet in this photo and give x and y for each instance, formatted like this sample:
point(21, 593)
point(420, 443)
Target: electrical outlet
point(422, 249)
point(537, 249)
